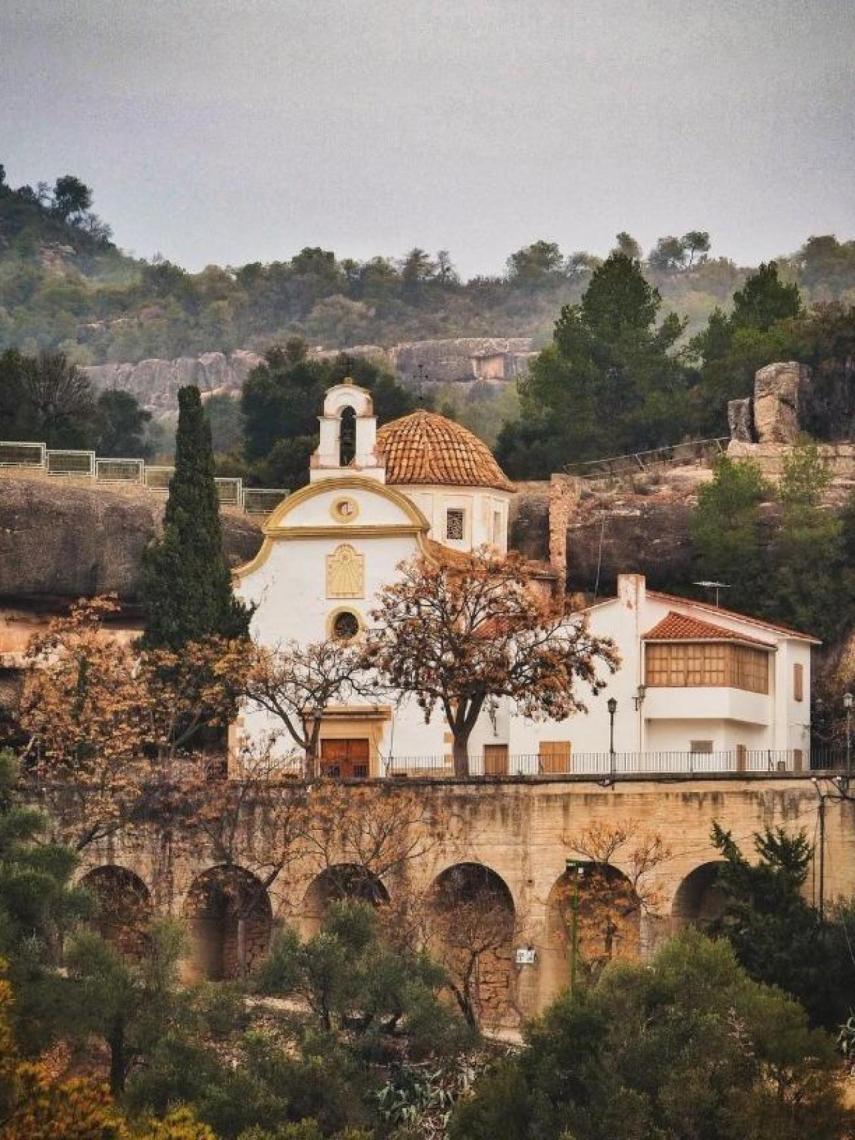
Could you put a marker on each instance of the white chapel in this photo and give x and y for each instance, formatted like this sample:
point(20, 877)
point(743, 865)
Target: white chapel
point(698, 689)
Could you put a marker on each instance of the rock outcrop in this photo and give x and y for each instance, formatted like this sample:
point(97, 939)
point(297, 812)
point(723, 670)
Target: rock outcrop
point(780, 394)
point(60, 541)
point(155, 383)
point(464, 360)
point(740, 420)
point(777, 411)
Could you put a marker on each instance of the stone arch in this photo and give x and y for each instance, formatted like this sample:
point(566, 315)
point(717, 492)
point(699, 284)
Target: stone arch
point(472, 922)
point(699, 899)
point(607, 923)
point(341, 881)
point(230, 919)
point(122, 907)
point(347, 418)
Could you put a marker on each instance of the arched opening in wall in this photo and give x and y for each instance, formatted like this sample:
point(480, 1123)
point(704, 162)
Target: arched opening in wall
point(230, 919)
point(343, 881)
point(593, 915)
point(122, 907)
point(347, 437)
point(472, 920)
point(699, 898)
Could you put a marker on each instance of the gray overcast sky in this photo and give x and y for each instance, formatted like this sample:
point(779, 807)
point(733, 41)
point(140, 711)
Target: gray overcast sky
point(236, 130)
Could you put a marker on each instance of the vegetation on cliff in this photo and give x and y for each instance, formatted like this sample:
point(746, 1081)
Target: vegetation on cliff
point(64, 285)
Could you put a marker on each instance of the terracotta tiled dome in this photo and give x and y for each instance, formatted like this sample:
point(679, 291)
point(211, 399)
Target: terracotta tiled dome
point(430, 449)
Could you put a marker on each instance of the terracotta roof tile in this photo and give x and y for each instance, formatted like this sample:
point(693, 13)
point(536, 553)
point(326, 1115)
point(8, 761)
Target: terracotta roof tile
point(681, 627)
point(425, 448)
point(788, 630)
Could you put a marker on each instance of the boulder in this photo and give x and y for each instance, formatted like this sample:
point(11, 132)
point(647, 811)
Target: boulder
point(780, 399)
point(61, 541)
point(740, 420)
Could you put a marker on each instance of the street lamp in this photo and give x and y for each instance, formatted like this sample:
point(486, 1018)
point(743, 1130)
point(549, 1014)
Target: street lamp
point(611, 705)
point(848, 701)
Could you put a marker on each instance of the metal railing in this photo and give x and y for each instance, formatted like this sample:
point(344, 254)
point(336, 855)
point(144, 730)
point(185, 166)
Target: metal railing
point(603, 765)
point(636, 462)
point(59, 462)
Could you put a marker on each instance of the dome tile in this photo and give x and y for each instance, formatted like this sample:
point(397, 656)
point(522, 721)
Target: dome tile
point(426, 448)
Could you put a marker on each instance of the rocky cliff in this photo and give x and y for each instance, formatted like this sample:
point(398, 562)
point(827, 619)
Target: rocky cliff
point(155, 383)
point(60, 541)
point(641, 528)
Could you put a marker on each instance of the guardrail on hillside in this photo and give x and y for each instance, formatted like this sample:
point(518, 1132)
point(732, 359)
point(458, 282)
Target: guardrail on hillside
point(636, 462)
point(69, 463)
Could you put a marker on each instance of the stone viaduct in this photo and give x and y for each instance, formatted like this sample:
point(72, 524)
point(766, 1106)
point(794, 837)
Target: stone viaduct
point(509, 837)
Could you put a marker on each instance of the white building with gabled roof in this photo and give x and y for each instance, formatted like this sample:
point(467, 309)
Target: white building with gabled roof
point(698, 688)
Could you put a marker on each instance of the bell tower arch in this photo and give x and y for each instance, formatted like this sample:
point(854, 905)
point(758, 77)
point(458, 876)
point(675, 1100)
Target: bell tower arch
point(332, 459)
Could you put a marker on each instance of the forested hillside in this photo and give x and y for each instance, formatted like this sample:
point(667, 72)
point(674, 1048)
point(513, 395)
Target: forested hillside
point(65, 285)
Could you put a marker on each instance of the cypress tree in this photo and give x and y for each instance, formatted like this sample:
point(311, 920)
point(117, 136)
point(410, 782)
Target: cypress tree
point(186, 584)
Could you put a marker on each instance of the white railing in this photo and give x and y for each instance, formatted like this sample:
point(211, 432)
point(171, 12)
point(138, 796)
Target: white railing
point(262, 500)
point(61, 462)
point(22, 454)
point(80, 464)
point(119, 470)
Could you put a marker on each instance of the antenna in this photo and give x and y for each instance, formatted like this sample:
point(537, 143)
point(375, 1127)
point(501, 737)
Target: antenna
point(713, 586)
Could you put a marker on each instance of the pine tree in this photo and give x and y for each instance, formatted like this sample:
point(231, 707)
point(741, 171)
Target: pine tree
point(186, 583)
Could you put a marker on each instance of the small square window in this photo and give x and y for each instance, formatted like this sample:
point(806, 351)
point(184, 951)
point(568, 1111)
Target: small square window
point(454, 525)
point(701, 747)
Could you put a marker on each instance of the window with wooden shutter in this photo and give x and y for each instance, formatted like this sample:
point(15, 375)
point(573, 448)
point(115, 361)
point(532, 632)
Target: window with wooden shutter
point(798, 682)
point(554, 756)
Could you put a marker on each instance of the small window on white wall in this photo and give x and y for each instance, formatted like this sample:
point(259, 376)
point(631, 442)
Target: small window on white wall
point(704, 747)
point(454, 519)
point(497, 528)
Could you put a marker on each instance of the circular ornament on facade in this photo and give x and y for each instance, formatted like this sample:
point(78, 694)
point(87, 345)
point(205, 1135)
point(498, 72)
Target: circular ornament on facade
point(345, 625)
point(344, 510)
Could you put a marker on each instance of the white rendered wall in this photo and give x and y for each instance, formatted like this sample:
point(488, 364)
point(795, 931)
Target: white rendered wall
point(485, 514)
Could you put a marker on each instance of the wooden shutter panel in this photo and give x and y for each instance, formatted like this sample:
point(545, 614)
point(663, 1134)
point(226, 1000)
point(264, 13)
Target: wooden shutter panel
point(554, 756)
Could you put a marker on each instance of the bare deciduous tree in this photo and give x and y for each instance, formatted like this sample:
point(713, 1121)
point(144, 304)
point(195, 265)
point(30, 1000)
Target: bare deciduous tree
point(456, 635)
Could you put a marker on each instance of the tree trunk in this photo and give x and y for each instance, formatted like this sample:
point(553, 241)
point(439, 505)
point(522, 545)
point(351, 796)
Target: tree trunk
point(311, 761)
point(460, 753)
point(116, 1041)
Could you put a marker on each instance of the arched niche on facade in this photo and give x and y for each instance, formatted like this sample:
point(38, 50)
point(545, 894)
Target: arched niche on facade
point(698, 899)
point(230, 921)
point(121, 907)
point(596, 904)
point(333, 884)
point(472, 922)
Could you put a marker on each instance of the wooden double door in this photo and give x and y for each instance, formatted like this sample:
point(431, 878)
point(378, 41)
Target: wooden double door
point(346, 759)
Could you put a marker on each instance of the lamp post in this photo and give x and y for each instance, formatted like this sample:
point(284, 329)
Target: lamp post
point(848, 701)
point(611, 705)
point(576, 869)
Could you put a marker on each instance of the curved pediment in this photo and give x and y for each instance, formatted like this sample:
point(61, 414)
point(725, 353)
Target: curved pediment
point(344, 508)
